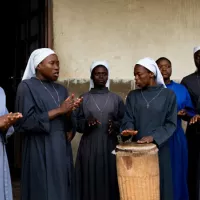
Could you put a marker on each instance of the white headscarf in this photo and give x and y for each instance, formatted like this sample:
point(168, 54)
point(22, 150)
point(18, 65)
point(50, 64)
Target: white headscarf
point(196, 49)
point(95, 64)
point(151, 65)
point(35, 59)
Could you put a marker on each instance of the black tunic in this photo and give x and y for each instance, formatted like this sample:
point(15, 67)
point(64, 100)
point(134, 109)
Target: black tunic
point(192, 83)
point(47, 165)
point(159, 121)
point(96, 177)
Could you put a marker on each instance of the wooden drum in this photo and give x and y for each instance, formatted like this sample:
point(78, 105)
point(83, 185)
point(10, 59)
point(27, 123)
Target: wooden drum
point(138, 171)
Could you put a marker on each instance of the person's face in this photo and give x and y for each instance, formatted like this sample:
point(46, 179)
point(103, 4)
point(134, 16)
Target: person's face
point(165, 69)
point(197, 59)
point(100, 76)
point(143, 77)
point(49, 68)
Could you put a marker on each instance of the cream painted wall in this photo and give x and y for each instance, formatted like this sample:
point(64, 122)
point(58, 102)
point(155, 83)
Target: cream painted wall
point(123, 31)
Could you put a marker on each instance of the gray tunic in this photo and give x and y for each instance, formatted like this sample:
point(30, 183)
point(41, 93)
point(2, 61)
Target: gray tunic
point(96, 177)
point(159, 121)
point(47, 165)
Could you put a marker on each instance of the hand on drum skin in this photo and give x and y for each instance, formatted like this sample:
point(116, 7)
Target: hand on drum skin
point(129, 132)
point(92, 121)
point(182, 112)
point(8, 120)
point(195, 119)
point(146, 139)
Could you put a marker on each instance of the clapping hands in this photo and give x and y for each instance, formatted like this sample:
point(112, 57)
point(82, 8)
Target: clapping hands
point(8, 120)
point(70, 104)
point(195, 119)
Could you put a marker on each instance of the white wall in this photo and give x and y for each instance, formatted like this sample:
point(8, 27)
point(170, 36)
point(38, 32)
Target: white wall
point(123, 31)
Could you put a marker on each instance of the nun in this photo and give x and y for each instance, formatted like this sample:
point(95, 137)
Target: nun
point(47, 166)
point(151, 117)
point(178, 142)
point(98, 120)
point(192, 83)
point(6, 130)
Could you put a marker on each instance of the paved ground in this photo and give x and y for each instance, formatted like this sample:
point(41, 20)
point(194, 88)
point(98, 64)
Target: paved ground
point(16, 189)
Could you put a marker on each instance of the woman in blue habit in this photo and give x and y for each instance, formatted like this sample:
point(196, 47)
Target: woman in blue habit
point(178, 142)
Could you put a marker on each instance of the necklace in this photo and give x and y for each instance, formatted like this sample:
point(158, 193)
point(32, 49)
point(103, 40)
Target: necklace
point(58, 101)
point(97, 105)
point(148, 103)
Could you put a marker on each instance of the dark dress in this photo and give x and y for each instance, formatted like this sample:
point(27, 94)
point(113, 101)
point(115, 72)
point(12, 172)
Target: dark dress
point(47, 166)
point(96, 177)
point(178, 143)
point(159, 121)
point(192, 83)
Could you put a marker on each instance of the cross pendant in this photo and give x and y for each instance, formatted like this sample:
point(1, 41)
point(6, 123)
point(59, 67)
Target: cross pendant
point(147, 106)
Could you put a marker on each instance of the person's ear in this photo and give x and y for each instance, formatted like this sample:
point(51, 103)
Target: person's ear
point(152, 75)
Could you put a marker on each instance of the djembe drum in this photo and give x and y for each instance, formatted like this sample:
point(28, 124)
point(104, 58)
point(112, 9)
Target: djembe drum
point(138, 171)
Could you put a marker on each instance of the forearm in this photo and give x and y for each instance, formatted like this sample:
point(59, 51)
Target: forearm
point(163, 133)
point(33, 123)
point(54, 113)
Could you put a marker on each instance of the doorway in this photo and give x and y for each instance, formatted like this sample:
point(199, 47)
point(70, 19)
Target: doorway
point(30, 27)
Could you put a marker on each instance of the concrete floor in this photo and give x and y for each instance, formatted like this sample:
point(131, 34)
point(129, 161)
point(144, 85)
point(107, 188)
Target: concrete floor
point(16, 189)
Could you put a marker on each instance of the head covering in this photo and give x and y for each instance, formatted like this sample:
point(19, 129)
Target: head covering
point(35, 59)
point(151, 65)
point(196, 49)
point(95, 64)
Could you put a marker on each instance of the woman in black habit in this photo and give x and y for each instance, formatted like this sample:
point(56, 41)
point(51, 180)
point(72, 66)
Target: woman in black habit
point(151, 117)
point(98, 119)
point(47, 166)
point(192, 83)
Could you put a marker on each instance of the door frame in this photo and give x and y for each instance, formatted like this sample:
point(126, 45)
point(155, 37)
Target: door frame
point(49, 23)
point(48, 43)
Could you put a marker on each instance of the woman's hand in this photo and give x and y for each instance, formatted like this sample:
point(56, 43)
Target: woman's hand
point(68, 105)
point(8, 120)
point(195, 119)
point(93, 121)
point(129, 132)
point(146, 139)
point(182, 112)
point(77, 103)
point(110, 126)
point(70, 136)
